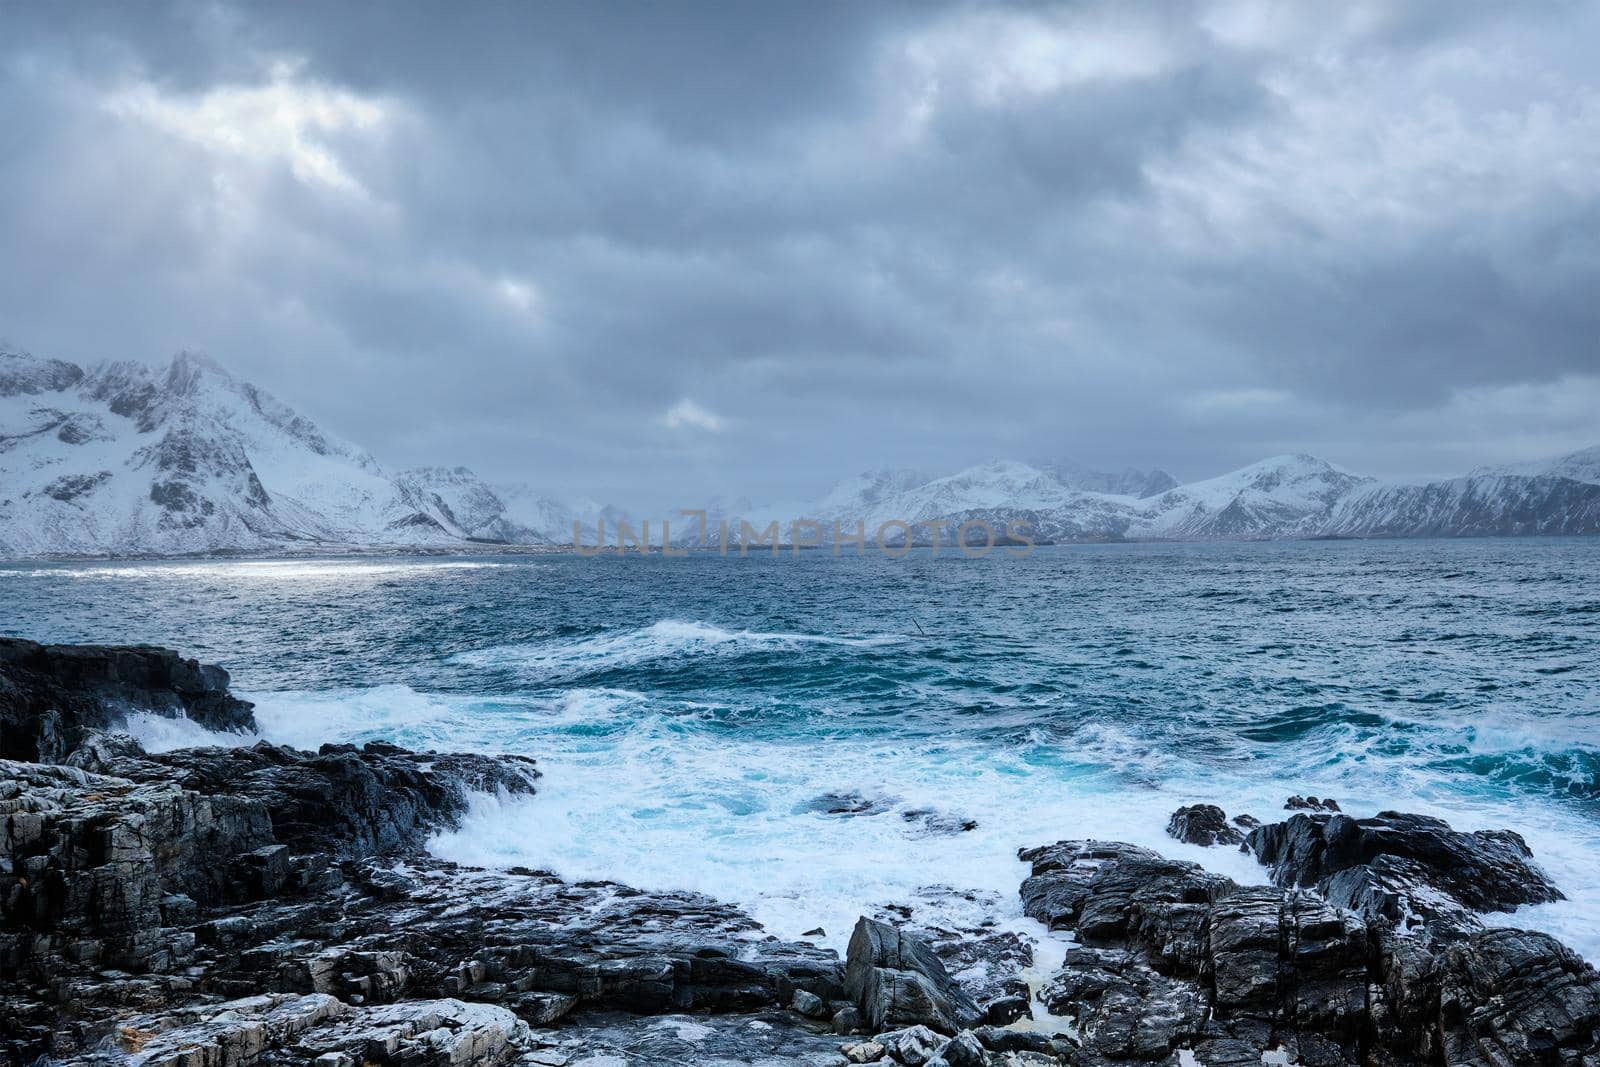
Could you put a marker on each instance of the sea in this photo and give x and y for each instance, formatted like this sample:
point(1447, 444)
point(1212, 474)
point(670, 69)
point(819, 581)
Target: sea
point(817, 737)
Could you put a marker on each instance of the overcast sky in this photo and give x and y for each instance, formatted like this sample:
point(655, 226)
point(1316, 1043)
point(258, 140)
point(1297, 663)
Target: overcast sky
point(649, 250)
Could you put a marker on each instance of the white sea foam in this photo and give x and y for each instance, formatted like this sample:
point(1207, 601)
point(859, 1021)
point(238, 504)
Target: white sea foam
point(648, 792)
point(162, 733)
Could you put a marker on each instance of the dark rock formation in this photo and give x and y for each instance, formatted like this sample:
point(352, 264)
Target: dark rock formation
point(895, 979)
point(187, 894)
point(1311, 803)
point(1204, 824)
point(52, 697)
point(1412, 870)
point(140, 891)
point(1171, 957)
point(349, 801)
point(1513, 996)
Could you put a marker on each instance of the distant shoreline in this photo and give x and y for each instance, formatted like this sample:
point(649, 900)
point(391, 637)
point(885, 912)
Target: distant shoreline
point(611, 552)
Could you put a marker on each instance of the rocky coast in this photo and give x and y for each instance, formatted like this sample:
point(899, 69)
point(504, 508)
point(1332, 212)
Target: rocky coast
point(236, 905)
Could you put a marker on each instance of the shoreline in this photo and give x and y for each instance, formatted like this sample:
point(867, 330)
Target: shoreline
point(255, 903)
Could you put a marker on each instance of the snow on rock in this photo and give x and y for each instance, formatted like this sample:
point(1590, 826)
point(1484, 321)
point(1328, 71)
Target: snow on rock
point(1274, 497)
point(130, 459)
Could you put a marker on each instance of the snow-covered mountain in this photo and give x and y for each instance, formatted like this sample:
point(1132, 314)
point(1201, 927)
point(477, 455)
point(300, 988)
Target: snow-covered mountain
point(1286, 496)
point(1272, 498)
point(1561, 496)
point(125, 458)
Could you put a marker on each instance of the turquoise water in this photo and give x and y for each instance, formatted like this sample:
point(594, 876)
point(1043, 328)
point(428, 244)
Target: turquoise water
point(688, 712)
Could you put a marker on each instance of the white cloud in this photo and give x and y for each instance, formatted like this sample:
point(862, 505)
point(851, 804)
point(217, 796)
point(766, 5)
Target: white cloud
point(288, 120)
point(998, 55)
point(518, 293)
point(686, 414)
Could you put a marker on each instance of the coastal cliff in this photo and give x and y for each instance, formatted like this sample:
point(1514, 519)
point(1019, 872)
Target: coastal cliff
point(265, 905)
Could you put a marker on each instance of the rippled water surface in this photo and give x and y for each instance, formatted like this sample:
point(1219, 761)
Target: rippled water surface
point(688, 712)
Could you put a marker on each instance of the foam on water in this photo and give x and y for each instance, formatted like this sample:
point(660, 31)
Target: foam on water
point(161, 733)
point(649, 793)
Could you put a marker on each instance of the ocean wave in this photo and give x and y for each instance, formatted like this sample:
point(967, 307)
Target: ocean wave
point(669, 639)
point(652, 792)
point(163, 733)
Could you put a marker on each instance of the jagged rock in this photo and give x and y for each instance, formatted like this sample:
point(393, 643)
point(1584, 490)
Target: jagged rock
point(317, 1027)
point(1168, 949)
point(86, 862)
point(608, 1039)
point(1514, 996)
point(1004, 1039)
point(1109, 891)
point(897, 980)
point(1291, 958)
point(1312, 803)
point(373, 800)
point(1412, 870)
point(848, 1020)
point(1124, 1008)
point(982, 958)
point(1203, 824)
point(1006, 1009)
point(52, 697)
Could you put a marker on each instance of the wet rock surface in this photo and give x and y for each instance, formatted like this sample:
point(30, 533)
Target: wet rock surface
point(375, 799)
point(263, 905)
point(896, 979)
point(52, 697)
point(1412, 871)
point(1204, 824)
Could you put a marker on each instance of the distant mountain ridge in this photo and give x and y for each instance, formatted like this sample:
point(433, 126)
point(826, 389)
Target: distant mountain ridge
point(129, 459)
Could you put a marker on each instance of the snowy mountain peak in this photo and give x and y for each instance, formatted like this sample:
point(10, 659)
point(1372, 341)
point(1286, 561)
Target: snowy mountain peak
point(21, 373)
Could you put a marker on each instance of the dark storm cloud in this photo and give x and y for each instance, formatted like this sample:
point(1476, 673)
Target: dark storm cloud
point(517, 236)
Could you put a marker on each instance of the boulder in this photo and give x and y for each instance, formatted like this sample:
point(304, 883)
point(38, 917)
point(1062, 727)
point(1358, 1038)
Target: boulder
point(896, 980)
point(1311, 803)
point(1203, 824)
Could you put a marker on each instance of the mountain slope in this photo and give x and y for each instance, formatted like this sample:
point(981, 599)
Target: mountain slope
point(130, 459)
point(1559, 496)
point(1272, 498)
